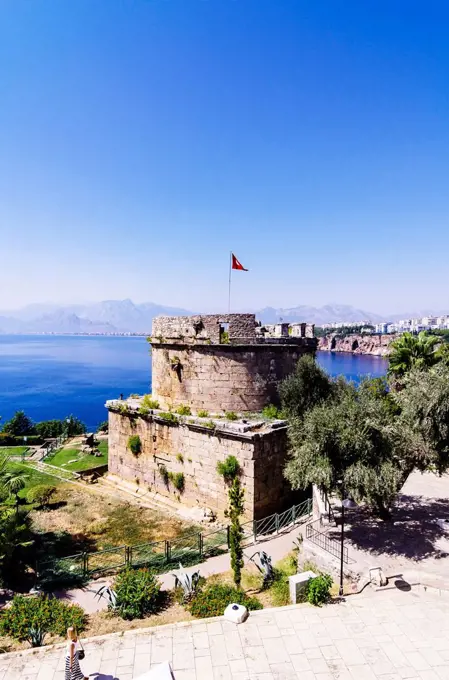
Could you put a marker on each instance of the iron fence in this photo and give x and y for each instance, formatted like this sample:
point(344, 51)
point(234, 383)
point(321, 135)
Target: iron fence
point(162, 555)
point(326, 543)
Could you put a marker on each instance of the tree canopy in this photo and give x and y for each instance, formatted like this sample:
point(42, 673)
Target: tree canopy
point(366, 440)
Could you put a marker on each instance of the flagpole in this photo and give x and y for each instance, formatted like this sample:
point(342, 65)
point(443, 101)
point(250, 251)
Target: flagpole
point(230, 273)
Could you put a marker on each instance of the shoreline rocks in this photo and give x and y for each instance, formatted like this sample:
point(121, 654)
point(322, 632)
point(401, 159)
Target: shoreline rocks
point(377, 345)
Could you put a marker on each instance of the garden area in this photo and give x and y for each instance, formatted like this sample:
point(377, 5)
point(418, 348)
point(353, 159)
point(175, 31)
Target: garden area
point(72, 457)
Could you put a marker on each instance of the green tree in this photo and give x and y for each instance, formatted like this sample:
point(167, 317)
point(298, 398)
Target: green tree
point(412, 351)
point(307, 386)
point(74, 426)
point(15, 535)
point(236, 506)
point(50, 428)
point(424, 419)
point(19, 425)
point(348, 443)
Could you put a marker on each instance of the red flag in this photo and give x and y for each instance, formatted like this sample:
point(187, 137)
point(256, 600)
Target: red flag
point(237, 265)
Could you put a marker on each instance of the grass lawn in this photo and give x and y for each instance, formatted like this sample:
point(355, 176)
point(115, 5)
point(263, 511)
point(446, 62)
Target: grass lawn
point(97, 521)
point(33, 477)
point(15, 451)
point(73, 459)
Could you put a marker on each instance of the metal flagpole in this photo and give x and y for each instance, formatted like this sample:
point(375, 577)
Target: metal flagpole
point(230, 272)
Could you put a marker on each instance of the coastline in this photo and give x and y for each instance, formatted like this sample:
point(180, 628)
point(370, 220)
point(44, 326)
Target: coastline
point(373, 345)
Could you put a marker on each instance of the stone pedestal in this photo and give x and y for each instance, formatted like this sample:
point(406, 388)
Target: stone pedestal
point(298, 584)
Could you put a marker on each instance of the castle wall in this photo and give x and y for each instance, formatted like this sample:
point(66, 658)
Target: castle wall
point(222, 377)
point(261, 458)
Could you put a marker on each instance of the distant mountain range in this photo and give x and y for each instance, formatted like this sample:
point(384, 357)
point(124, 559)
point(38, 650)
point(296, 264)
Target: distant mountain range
point(110, 316)
point(124, 316)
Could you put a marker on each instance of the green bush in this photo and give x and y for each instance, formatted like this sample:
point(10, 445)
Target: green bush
point(280, 587)
point(318, 589)
point(138, 594)
point(103, 427)
point(168, 417)
point(184, 410)
point(178, 480)
point(209, 424)
point(180, 458)
point(271, 411)
point(164, 474)
point(230, 415)
point(213, 600)
point(228, 468)
point(42, 612)
point(150, 403)
point(134, 444)
point(41, 494)
point(202, 413)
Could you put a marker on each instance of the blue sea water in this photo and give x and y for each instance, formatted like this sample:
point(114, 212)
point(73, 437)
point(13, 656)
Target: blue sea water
point(54, 376)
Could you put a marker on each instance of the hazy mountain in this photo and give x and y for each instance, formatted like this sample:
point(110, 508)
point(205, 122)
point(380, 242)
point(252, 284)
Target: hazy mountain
point(317, 315)
point(110, 316)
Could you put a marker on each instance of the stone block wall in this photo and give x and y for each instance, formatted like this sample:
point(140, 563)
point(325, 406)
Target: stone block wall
point(222, 378)
point(195, 451)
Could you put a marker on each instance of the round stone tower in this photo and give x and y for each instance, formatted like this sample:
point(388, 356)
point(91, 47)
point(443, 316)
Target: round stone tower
point(223, 362)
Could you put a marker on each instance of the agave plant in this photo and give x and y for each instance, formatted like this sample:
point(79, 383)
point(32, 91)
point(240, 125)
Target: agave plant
point(188, 582)
point(265, 567)
point(108, 593)
point(36, 636)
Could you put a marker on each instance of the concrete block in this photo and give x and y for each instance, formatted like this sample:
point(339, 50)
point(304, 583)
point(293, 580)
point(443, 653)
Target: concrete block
point(298, 584)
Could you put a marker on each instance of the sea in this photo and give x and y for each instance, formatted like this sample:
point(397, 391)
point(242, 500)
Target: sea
point(54, 376)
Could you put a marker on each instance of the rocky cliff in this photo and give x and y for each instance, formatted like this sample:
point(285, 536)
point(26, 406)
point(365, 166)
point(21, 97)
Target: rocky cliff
point(357, 344)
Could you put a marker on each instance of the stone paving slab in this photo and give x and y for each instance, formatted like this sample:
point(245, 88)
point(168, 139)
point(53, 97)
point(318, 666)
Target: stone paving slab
point(389, 635)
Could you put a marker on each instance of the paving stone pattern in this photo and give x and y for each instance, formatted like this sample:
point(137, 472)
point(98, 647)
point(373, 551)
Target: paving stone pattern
point(390, 635)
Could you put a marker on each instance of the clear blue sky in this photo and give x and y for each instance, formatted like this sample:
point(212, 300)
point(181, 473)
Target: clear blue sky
point(141, 140)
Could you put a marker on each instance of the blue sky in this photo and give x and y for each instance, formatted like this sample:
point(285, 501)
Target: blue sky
point(142, 140)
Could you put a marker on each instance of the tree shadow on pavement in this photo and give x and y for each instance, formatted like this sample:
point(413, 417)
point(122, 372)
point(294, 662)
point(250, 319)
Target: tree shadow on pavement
point(412, 532)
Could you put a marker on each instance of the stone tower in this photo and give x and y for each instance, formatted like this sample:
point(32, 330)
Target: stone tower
point(214, 367)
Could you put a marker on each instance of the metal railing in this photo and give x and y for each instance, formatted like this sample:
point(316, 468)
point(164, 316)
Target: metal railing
point(162, 556)
point(323, 541)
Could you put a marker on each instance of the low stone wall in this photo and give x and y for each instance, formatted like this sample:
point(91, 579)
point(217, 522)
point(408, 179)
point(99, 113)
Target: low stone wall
point(195, 451)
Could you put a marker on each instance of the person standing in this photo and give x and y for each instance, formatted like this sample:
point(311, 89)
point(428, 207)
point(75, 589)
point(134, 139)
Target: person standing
point(72, 664)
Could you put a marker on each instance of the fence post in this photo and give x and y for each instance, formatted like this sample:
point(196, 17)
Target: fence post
point(127, 555)
point(228, 536)
point(294, 514)
point(255, 529)
point(277, 523)
point(200, 545)
point(85, 563)
point(167, 551)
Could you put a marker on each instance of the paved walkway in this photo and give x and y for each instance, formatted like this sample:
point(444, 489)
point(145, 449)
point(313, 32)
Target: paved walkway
point(389, 635)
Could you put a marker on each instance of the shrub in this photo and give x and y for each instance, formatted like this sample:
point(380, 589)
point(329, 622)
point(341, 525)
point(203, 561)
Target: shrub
point(184, 410)
point(210, 424)
point(177, 479)
point(271, 411)
point(45, 613)
point(179, 457)
point(41, 494)
point(228, 468)
point(213, 600)
point(150, 403)
point(137, 594)
point(230, 415)
point(134, 444)
point(202, 413)
point(164, 474)
point(168, 417)
point(318, 589)
point(280, 588)
point(103, 426)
